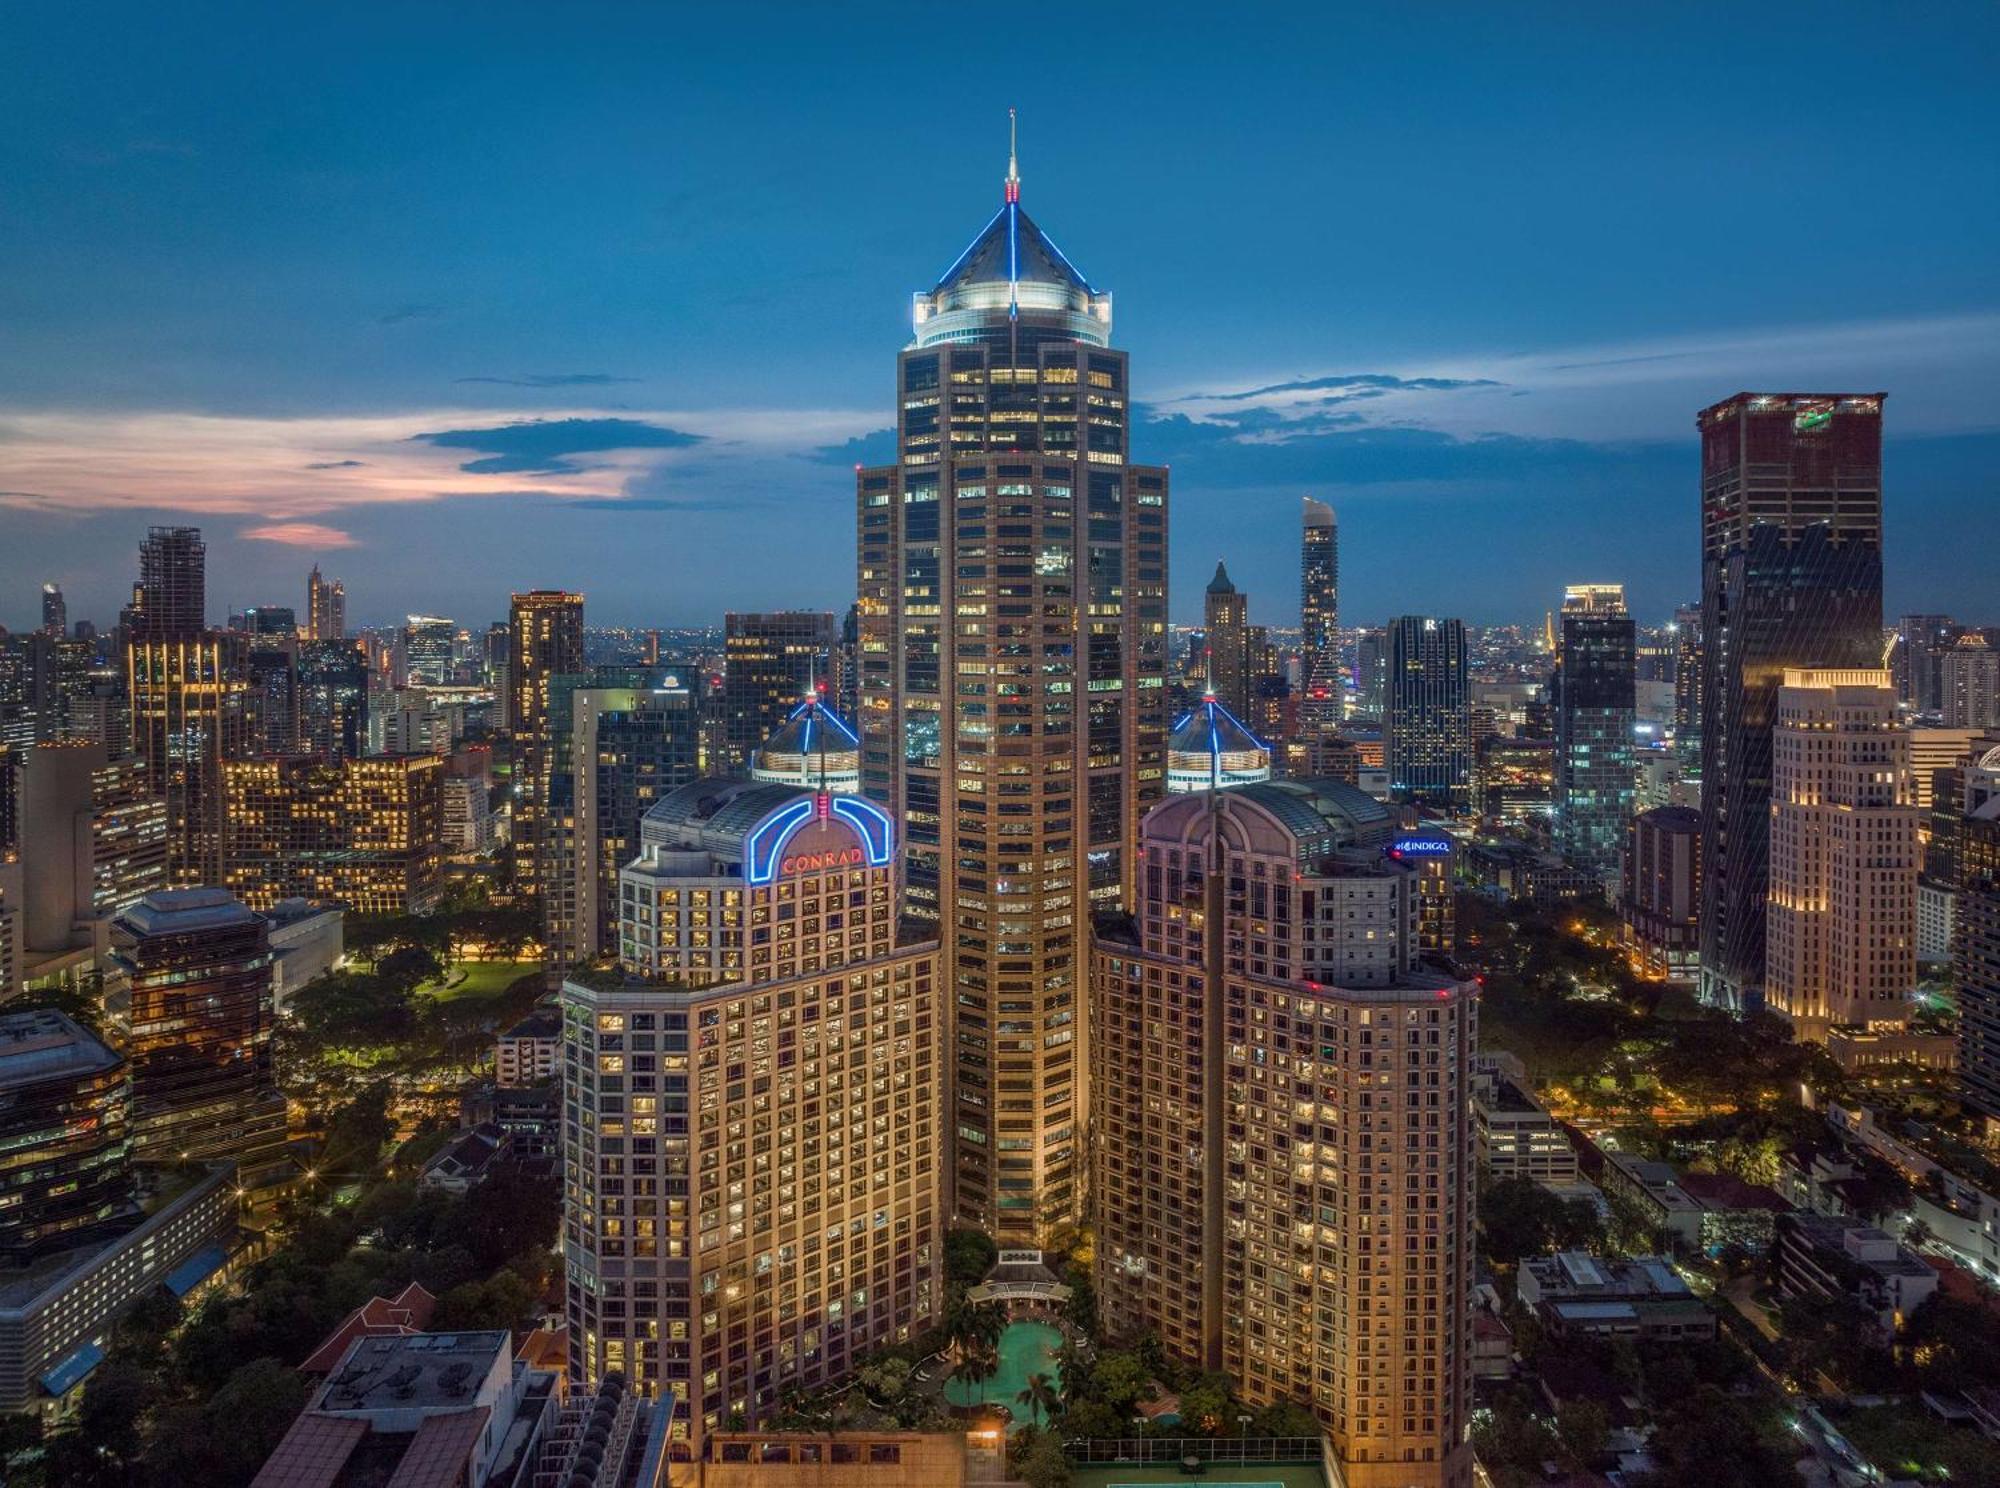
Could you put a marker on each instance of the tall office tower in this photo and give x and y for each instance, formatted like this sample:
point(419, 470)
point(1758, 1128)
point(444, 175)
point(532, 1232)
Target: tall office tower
point(1594, 718)
point(1232, 669)
point(1013, 593)
point(1371, 672)
point(1514, 786)
point(844, 682)
point(128, 835)
point(1916, 652)
point(1973, 861)
point(1687, 689)
point(364, 833)
point(623, 738)
point(270, 702)
point(766, 990)
point(63, 1096)
point(326, 608)
point(1662, 895)
point(769, 662)
point(494, 656)
point(1280, 1138)
point(172, 597)
point(1842, 922)
point(427, 650)
point(199, 964)
point(333, 699)
point(1970, 683)
point(544, 641)
point(55, 611)
point(1210, 749)
point(1319, 617)
point(1427, 718)
point(1791, 576)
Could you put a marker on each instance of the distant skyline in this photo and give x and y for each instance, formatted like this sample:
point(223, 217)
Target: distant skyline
point(601, 300)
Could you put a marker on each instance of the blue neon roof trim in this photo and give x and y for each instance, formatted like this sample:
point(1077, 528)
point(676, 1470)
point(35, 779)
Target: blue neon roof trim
point(956, 263)
point(877, 828)
point(67, 1375)
point(760, 863)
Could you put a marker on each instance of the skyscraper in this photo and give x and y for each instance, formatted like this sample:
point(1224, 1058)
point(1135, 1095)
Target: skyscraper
point(1225, 622)
point(1842, 920)
point(326, 608)
point(759, 936)
point(364, 833)
point(270, 701)
point(1281, 1143)
point(1662, 894)
point(186, 685)
point(1319, 617)
point(1594, 717)
point(333, 699)
point(1427, 725)
point(55, 612)
point(1012, 593)
point(1970, 683)
point(1791, 534)
point(427, 650)
point(1687, 689)
point(545, 641)
point(770, 661)
point(199, 964)
point(1974, 865)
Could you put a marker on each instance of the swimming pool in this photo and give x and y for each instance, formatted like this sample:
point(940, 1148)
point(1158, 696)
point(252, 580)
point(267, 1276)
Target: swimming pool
point(1025, 1349)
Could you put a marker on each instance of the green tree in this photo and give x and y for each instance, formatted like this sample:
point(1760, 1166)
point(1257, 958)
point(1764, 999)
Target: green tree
point(1710, 1439)
point(1041, 1397)
point(503, 1300)
point(1582, 1427)
point(409, 967)
point(968, 1256)
point(1036, 1458)
point(1119, 1380)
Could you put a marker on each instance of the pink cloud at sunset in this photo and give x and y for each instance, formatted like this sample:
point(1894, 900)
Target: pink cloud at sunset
point(300, 535)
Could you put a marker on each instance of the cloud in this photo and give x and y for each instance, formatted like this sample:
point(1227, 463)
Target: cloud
point(876, 447)
point(300, 535)
point(1350, 385)
point(660, 504)
point(554, 380)
point(543, 446)
point(337, 465)
point(409, 312)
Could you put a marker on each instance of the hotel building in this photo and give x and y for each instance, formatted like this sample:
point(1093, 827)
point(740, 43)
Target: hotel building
point(753, 1139)
point(1282, 1149)
point(367, 834)
point(1012, 591)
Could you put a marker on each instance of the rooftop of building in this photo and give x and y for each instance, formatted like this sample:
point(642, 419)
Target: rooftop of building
point(1211, 729)
point(417, 1371)
point(541, 1023)
point(1573, 1273)
point(297, 911)
point(43, 1044)
point(182, 911)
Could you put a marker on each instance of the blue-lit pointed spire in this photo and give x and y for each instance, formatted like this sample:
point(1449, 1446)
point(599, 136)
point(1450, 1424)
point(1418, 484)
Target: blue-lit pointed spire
point(1210, 749)
point(814, 748)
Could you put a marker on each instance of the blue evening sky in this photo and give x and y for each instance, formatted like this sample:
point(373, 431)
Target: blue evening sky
point(459, 299)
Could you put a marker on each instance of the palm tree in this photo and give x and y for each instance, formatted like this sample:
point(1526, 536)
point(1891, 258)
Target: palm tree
point(979, 1365)
point(1040, 1397)
point(1068, 1360)
point(970, 1326)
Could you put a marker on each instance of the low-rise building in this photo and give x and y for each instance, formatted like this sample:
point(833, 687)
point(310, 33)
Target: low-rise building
point(842, 1459)
point(1508, 868)
point(1937, 908)
point(1655, 1190)
point(1734, 1212)
point(531, 1050)
point(1822, 1257)
point(1516, 1135)
point(307, 941)
point(1642, 1299)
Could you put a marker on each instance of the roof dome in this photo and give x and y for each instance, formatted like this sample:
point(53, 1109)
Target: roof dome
point(813, 748)
point(1012, 283)
point(1210, 749)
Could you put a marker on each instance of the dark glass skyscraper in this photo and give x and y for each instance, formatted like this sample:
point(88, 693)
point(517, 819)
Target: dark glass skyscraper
point(1319, 617)
point(1428, 712)
point(333, 699)
point(1012, 594)
point(1791, 548)
point(1594, 714)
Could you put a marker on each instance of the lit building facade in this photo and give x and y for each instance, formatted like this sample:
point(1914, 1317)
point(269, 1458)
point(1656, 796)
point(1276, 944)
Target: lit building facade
point(1012, 590)
point(333, 699)
point(367, 834)
point(1281, 1137)
point(1594, 718)
point(1210, 749)
point(1513, 786)
point(1791, 543)
point(326, 608)
point(1971, 683)
point(1427, 723)
point(754, 1134)
point(427, 651)
point(1319, 618)
point(544, 641)
point(1225, 625)
point(66, 1175)
point(769, 662)
point(199, 966)
point(1661, 903)
point(1842, 929)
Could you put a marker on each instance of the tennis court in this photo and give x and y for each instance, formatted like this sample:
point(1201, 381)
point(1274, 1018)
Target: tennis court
point(1217, 1475)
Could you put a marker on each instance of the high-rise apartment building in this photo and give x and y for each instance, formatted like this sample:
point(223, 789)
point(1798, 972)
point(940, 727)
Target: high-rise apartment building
point(1842, 926)
point(128, 834)
point(1319, 616)
point(769, 662)
point(1662, 897)
point(367, 834)
point(1427, 714)
point(67, 1177)
point(1012, 590)
point(1593, 694)
point(1916, 653)
point(1686, 629)
point(623, 738)
point(1970, 683)
point(1791, 544)
point(1972, 862)
point(326, 608)
point(754, 1133)
point(199, 966)
point(333, 699)
point(55, 611)
point(1281, 1140)
point(545, 641)
point(427, 650)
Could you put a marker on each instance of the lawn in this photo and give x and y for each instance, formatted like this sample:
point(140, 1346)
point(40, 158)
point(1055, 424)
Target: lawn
point(480, 979)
